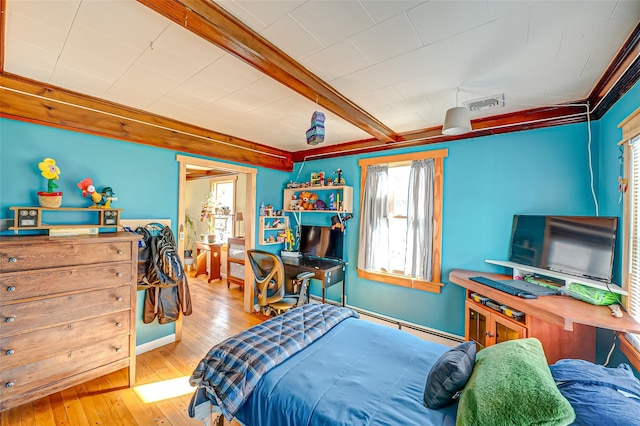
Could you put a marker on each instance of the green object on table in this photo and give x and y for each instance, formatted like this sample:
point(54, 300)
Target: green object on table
point(592, 295)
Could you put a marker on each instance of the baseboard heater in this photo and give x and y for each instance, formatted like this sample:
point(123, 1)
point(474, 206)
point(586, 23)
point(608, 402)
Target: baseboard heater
point(423, 332)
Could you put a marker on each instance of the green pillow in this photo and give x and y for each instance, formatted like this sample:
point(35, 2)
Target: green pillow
point(511, 385)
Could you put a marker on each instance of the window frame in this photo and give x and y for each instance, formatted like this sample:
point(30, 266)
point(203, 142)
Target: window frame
point(630, 130)
point(213, 183)
point(435, 285)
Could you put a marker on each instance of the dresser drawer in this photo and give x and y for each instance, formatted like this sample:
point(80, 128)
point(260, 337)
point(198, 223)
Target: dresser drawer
point(27, 257)
point(23, 348)
point(28, 284)
point(30, 316)
point(31, 376)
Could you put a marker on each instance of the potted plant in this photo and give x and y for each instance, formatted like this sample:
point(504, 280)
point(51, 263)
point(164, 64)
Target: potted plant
point(209, 208)
point(190, 235)
point(51, 172)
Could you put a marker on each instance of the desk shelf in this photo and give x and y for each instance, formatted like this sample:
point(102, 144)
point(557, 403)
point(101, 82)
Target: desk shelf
point(521, 270)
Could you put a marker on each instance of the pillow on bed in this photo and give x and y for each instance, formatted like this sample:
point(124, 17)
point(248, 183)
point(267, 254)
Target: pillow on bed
point(599, 395)
point(448, 375)
point(511, 384)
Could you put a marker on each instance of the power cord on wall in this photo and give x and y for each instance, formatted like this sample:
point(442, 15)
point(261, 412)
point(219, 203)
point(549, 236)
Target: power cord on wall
point(613, 346)
point(593, 191)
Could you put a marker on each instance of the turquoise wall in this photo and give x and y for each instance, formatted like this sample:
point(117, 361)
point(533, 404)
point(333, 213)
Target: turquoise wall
point(487, 180)
point(144, 178)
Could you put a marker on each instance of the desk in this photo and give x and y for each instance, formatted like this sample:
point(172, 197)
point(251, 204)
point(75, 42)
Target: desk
point(328, 271)
point(564, 325)
point(202, 248)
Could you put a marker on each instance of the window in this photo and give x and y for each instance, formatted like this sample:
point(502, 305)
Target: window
point(631, 227)
point(219, 209)
point(401, 219)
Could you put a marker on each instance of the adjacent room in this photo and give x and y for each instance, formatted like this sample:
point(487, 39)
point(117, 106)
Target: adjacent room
point(319, 212)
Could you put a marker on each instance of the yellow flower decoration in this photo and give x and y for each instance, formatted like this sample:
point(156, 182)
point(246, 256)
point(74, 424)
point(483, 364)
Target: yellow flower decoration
point(49, 171)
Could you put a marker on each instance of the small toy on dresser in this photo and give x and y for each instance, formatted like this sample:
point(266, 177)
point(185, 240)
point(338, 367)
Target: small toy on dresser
point(102, 199)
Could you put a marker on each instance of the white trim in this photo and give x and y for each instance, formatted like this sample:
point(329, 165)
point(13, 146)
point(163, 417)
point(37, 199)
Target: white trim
point(155, 344)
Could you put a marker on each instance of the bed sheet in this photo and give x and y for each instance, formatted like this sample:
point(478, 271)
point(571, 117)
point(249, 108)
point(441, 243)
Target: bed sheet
point(358, 373)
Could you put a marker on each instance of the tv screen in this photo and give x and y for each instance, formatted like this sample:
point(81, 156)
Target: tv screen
point(321, 241)
point(577, 245)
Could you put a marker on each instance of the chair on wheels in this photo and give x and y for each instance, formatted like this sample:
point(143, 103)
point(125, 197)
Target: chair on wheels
point(268, 273)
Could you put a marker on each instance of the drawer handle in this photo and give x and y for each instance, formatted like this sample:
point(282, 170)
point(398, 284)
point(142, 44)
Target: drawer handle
point(13, 260)
point(118, 274)
point(118, 350)
point(10, 352)
point(10, 319)
point(9, 385)
point(11, 289)
point(118, 299)
point(118, 324)
point(120, 251)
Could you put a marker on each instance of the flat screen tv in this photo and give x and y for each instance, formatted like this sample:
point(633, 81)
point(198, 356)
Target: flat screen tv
point(583, 246)
point(321, 241)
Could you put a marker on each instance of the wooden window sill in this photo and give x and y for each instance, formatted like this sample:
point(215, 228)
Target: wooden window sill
point(433, 287)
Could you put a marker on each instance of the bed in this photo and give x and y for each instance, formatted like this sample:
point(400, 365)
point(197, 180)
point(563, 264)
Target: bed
point(324, 366)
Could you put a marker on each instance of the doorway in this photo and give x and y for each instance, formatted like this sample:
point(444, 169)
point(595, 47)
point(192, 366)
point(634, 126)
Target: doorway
point(249, 213)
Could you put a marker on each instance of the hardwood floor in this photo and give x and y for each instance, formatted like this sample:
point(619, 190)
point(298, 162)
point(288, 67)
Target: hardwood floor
point(217, 314)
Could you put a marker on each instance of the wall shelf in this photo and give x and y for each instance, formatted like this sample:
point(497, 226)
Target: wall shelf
point(269, 234)
point(343, 198)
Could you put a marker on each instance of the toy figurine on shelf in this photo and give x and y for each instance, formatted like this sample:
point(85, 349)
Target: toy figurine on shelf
point(102, 199)
point(339, 180)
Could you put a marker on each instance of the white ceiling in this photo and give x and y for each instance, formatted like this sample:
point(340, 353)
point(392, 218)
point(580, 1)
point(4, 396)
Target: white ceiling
point(401, 61)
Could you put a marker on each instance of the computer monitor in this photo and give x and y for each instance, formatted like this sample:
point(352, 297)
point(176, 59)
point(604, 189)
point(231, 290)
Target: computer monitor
point(577, 245)
point(321, 241)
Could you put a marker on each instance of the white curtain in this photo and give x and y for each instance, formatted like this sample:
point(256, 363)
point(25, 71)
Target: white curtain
point(373, 252)
point(417, 263)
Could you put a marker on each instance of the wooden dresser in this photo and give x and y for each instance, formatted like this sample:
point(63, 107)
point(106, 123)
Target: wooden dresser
point(67, 312)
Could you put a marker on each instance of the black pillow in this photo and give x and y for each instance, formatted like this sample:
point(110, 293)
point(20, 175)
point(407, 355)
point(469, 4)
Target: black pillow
point(449, 375)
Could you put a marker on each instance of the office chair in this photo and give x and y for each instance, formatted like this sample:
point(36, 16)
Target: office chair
point(268, 273)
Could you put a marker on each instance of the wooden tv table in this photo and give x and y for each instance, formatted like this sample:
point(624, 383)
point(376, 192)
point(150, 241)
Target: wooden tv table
point(565, 326)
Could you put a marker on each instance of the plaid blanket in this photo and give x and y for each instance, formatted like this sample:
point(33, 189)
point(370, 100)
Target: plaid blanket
point(232, 368)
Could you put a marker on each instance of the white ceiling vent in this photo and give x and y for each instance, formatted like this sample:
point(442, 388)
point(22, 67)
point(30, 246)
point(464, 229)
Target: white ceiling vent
point(486, 103)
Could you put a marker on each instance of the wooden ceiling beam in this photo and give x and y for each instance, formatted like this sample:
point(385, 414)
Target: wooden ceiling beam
point(212, 23)
point(36, 102)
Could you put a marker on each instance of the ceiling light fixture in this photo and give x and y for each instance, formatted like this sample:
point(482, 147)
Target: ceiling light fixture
point(456, 120)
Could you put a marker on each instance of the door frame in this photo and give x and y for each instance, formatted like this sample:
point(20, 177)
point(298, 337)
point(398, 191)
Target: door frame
point(249, 213)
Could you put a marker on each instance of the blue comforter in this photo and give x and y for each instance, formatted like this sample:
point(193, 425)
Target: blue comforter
point(359, 373)
point(599, 395)
point(231, 369)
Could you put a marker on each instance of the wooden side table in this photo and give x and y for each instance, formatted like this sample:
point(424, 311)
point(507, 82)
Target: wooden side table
point(213, 251)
